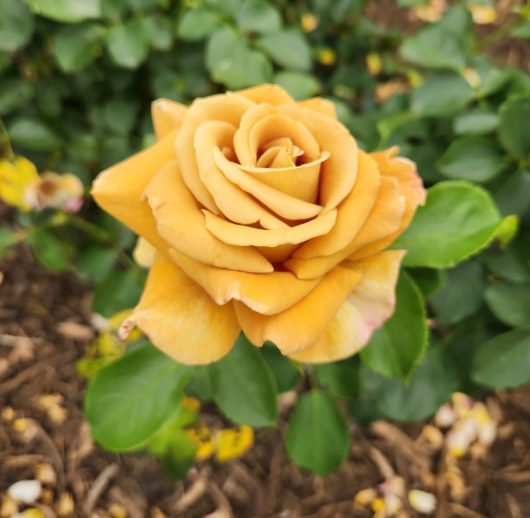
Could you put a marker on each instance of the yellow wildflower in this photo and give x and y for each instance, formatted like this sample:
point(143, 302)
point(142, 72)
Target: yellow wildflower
point(374, 63)
point(327, 56)
point(202, 436)
point(309, 22)
point(482, 14)
point(15, 179)
point(233, 442)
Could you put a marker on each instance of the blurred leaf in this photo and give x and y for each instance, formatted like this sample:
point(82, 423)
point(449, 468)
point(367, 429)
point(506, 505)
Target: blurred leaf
point(231, 62)
point(513, 127)
point(178, 455)
point(69, 11)
point(76, 46)
point(476, 159)
point(244, 387)
point(476, 122)
point(504, 361)
point(513, 194)
point(7, 239)
point(298, 84)
point(196, 24)
point(339, 378)
point(428, 280)
point(130, 399)
point(128, 44)
point(52, 253)
point(14, 93)
point(511, 263)
point(95, 263)
point(443, 44)
point(441, 95)
point(285, 373)
point(460, 295)
point(288, 49)
point(259, 16)
point(118, 290)
point(458, 220)
point(229, 8)
point(523, 31)
point(120, 115)
point(398, 346)
point(159, 31)
point(32, 134)
point(510, 303)
point(317, 437)
point(16, 25)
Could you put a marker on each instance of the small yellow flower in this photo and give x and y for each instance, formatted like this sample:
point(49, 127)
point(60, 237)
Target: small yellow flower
point(327, 56)
point(309, 22)
point(203, 438)
point(365, 496)
point(15, 179)
point(232, 443)
point(482, 14)
point(374, 63)
point(378, 505)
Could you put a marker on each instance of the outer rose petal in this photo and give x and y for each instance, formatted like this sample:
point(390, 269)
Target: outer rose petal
point(300, 326)
point(180, 222)
point(320, 105)
point(266, 93)
point(181, 319)
point(368, 306)
point(167, 116)
point(264, 293)
point(119, 189)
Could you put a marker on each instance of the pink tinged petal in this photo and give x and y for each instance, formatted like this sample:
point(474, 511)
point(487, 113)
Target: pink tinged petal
point(266, 93)
point(167, 116)
point(282, 204)
point(320, 105)
point(300, 326)
point(370, 303)
point(181, 319)
point(119, 189)
point(180, 222)
point(224, 107)
point(235, 204)
point(268, 293)
point(241, 235)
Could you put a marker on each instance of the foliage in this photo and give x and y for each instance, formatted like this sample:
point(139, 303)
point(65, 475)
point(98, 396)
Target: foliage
point(76, 81)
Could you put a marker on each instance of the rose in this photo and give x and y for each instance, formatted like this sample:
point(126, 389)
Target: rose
point(266, 218)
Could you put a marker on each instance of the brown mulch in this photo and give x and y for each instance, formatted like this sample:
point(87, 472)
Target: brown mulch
point(38, 357)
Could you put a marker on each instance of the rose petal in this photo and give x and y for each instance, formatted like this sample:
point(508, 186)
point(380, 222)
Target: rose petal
point(224, 107)
point(241, 235)
point(264, 293)
point(119, 189)
point(320, 105)
point(366, 308)
point(285, 206)
point(266, 93)
point(300, 326)
point(167, 116)
point(180, 222)
point(234, 203)
point(181, 319)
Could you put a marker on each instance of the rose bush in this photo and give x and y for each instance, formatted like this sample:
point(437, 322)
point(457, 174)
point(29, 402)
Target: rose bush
point(265, 217)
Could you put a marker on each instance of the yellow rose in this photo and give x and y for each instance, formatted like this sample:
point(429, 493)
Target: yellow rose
point(266, 218)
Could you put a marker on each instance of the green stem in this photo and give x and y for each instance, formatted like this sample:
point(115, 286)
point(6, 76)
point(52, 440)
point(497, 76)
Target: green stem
point(5, 143)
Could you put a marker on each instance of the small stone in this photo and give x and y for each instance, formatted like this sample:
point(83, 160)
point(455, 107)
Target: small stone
point(25, 491)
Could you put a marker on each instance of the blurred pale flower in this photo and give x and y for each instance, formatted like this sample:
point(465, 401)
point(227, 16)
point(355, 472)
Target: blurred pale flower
point(422, 501)
point(374, 63)
point(309, 22)
point(327, 56)
point(59, 191)
point(430, 12)
point(25, 491)
point(482, 14)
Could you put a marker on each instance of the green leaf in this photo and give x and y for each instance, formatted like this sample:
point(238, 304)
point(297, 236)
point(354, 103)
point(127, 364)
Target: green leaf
point(76, 46)
point(513, 127)
point(504, 361)
point(69, 11)
point(120, 115)
point(513, 195)
point(7, 239)
point(49, 251)
point(398, 346)
point(16, 25)
point(196, 24)
point(441, 95)
point(287, 48)
point(476, 159)
point(340, 378)
point(285, 373)
point(229, 8)
point(458, 220)
point(298, 84)
point(476, 122)
point(128, 44)
point(510, 303)
point(441, 45)
point(259, 16)
point(428, 280)
point(244, 387)
point(231, 61)
point(14, 93)
point(95, 263)
point(523, 31)
point(159, 31)
point(317, 437)
point(511, 263)
point(32, 134)
point(461, 293)
point(130, 399)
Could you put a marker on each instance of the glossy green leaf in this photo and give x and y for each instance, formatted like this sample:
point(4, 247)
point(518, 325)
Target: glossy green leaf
point(287, 48)
point(476, 159)
point(513, 127)
point(128, 44)
point(458, 220)
point(130, 399)
point(510, 263)
point(285, 373)
point(339, 378)
point(441, 95)
point(16, 25)
point(196, 24)
point(476, 122)
point(428, 280)
point(298, 84)
point(398, 346)
point(504, 361)
point(259, 16)
point(76, 46)
point(510, 303)
point(244, 387)
point(317, 437)
point(69, 11)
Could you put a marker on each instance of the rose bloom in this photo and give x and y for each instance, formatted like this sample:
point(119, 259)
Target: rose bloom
point(265, 217)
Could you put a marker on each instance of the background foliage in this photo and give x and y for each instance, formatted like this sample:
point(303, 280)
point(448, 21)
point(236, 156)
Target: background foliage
point(76, 81)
